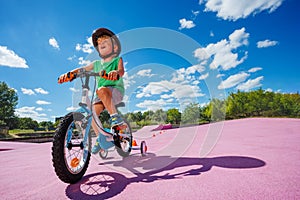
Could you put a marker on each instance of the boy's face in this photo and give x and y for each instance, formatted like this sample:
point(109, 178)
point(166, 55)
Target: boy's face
point(104, 45)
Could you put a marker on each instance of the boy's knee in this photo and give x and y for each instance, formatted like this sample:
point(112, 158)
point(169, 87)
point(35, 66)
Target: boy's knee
point(103, 92)
point(99, 107)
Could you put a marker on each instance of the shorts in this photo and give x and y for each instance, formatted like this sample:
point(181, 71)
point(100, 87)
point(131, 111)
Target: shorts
point(117, 96)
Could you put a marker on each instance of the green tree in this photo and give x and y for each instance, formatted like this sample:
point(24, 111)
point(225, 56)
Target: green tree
point(290, 105)
point(27, 123)
point(148, 115)
point(216, 110)
point(46, 124)
point(192, 114)
point(237, 105)
point(130, 117)
point(262, 103)
point(159, 116)
point(138, 116)
point(257, 102)
point(8, 103)
point(173, 116)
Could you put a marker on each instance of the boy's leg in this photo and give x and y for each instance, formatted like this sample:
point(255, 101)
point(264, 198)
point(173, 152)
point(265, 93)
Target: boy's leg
point(105, 94)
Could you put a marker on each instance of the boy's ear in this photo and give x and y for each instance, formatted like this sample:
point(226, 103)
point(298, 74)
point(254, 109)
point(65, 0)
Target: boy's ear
point(116, 48)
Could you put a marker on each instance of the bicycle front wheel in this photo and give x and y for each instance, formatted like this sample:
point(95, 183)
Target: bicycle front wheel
point(70, 152)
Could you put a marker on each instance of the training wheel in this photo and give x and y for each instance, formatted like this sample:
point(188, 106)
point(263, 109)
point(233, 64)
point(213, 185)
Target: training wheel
point(144, 148)
point(103, 153)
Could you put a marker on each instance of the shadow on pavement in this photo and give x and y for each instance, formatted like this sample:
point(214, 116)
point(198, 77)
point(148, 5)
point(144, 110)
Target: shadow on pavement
point(5, 149)
point(109, 184)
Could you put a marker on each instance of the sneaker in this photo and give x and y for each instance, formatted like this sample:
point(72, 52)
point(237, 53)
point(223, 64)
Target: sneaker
point(116, 120)
point(96, 148)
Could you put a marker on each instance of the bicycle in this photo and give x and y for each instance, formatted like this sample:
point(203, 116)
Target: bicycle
point(72, 139)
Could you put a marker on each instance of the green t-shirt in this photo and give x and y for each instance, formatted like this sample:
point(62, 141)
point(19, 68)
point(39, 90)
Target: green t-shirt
point(108, 67)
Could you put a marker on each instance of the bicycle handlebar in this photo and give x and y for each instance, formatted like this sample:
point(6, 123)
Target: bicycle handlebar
point(102, 74)
point(70, 76)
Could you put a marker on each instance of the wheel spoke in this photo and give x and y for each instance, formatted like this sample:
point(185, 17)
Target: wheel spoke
point(75, 136)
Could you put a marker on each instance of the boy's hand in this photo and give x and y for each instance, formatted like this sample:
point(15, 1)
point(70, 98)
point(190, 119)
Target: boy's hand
point(70, 76)
point(113, 75)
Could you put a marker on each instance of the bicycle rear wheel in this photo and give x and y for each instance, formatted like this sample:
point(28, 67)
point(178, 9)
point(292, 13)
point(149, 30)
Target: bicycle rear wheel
point(123, 142)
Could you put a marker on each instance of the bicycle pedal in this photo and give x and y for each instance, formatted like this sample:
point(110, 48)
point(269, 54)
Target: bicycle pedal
point(119, 127)
point(122, 127)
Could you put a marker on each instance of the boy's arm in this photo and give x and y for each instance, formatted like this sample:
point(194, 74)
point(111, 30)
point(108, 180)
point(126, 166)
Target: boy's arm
point(89, 67)
point(70, 76)
point(121, 70)
point(115, 74)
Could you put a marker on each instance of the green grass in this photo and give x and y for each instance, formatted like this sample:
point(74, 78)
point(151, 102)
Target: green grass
point(16, 131)
point(27, 133)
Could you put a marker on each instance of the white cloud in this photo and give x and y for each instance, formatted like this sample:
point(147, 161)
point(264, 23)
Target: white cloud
point(186, 24)
point(71, 57)
point(10, 59)
point(266, 43)
point(41, 91)
point(188, 75)
point(74, 89)
point(187, 91)
point(53, 43)
point(254, 69)
point(81, 61)
point(71, 108)
point(169, 100)
point(31, 92)
point(204, 76)
point(154, 88)
point(236, 9)
point(195, 14)
point(128, 80)
point(145, 73)
point(222, 52)
point(27, 91)
point(220, 75)
point(39, 109)
point(87, 47)
point(233, 80)
point(178, 90)
point(238, 38)
point(40, 102)
point(269, 90)
point(152, 104)
point(166, 96)
point(195, 68)
point(251, 83)
point(196, 82)
point(31, 112)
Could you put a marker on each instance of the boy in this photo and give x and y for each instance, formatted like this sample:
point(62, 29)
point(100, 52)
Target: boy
point(111, 90)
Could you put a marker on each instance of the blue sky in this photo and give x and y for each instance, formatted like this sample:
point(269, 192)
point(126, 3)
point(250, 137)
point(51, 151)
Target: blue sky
point(175, 53)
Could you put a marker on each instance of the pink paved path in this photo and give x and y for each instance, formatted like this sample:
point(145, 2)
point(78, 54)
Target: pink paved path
point(252, 159)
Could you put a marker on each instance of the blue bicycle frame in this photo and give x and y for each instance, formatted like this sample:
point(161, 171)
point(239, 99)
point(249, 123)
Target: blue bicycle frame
point(106, 137)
